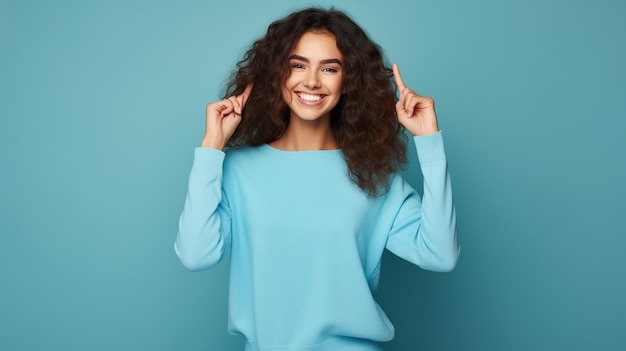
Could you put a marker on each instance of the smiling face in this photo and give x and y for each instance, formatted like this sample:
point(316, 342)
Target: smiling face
point(314, 85)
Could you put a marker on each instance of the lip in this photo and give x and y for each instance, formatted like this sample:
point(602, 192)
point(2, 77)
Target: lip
point(310, 103)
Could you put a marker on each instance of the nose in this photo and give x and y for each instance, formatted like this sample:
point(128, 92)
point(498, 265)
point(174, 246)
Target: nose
point(311, 80)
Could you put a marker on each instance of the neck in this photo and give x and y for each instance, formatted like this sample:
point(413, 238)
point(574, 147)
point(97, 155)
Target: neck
point(307, 135)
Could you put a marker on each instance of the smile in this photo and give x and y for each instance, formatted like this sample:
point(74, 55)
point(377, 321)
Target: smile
point(310, 97)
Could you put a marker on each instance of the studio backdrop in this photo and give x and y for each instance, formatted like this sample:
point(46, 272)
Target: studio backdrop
point(102, 103)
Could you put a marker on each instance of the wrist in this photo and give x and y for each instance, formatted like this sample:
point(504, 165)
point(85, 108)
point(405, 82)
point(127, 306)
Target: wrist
point(426, 132)
point(212, 144)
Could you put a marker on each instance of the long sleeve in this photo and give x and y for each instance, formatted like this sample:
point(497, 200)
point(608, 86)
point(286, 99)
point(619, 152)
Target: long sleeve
point(204, 225)
point(303, 231)
point(424, 231)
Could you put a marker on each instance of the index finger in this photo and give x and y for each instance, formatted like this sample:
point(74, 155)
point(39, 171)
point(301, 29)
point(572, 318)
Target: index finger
point(398, 78)
point(246, 94)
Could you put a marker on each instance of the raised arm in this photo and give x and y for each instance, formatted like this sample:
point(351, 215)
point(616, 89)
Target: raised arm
point(424, 231)
point(204, 226)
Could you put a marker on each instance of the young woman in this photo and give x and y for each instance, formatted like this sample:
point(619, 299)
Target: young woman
point(307, 197)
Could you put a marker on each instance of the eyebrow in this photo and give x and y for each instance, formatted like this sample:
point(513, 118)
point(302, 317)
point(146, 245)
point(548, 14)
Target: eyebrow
point(323, 62)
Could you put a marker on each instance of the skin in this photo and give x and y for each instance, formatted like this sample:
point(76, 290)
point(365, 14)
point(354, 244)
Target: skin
point(316, 70)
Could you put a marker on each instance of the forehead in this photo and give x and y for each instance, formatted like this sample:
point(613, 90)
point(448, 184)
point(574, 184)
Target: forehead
point(317, 44)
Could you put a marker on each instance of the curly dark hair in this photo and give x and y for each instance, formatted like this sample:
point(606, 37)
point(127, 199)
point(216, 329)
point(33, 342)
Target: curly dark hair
point(364, 122)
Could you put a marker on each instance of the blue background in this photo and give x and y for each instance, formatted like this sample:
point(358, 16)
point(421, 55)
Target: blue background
point(102, 103)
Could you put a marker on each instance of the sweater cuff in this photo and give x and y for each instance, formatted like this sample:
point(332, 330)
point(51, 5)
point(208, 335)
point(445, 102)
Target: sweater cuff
point(430, 147)
point(208, 160)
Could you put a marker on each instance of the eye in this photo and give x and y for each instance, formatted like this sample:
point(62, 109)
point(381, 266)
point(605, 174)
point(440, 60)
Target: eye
point(330, 70)
point(297, 66)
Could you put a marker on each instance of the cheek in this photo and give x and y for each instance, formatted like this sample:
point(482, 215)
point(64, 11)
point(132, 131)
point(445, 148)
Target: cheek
point(290, 82)
point(337, 84)
point(339, 87)
point(287, 97)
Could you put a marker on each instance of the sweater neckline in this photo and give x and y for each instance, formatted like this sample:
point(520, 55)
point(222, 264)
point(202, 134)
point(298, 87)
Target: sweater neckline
point(280, 151)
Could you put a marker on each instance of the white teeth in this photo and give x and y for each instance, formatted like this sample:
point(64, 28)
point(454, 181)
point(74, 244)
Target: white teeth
point(309, 97)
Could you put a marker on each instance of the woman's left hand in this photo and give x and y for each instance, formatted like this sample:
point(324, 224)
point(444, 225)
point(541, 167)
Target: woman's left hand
point(415, 112)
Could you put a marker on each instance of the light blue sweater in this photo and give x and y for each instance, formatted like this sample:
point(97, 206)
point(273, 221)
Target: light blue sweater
point(306, 243)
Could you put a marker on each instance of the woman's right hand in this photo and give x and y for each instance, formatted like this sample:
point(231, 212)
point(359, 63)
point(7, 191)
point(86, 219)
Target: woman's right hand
point(222, 118)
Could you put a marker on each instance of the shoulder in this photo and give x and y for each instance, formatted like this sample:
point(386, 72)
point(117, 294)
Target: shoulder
point(246, 159)
point(242, 153)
